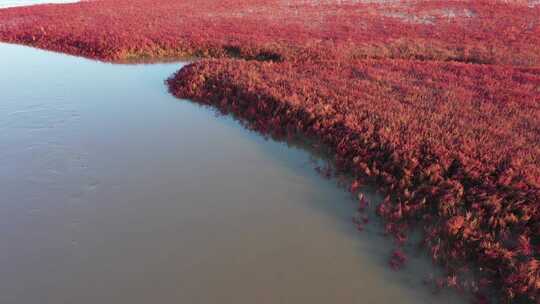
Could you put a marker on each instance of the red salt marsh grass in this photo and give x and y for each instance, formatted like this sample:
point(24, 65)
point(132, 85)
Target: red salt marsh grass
point(456, 147)
point(438, 102)
point(470, 31)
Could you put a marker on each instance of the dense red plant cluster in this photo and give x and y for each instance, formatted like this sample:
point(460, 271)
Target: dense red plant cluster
point(437, 102)
point(397, 260)
point(456, 147)
point(506, 32)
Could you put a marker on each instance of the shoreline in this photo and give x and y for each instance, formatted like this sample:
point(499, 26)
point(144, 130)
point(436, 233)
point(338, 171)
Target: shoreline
point(391, 117)
point(405, 204)
point(23, 3)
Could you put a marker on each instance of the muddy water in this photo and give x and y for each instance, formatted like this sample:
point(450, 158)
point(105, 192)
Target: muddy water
point(113, 191)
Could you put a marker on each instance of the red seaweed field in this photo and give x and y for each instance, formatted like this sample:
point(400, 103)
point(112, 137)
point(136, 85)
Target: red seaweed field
point(435, 102)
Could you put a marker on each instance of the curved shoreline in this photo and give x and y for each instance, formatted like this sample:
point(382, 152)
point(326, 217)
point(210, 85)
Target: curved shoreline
point(424, 130)
point(450, 199)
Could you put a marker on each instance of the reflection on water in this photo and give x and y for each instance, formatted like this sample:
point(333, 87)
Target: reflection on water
point(113, 191)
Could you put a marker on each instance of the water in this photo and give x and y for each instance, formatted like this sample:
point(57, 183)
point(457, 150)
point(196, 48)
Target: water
point(113, 191)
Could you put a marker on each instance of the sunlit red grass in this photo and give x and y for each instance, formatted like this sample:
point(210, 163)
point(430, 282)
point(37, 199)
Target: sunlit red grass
point(470, 31)
point(437, 102)
point(456, 147)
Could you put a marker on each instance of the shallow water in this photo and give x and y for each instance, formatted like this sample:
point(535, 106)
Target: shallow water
point(113, 191)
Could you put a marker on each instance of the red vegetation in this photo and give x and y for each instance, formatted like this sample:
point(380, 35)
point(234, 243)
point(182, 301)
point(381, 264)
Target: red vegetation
point(397, 260)
point(437, 102)
point(470, 31)
point(455, 146)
